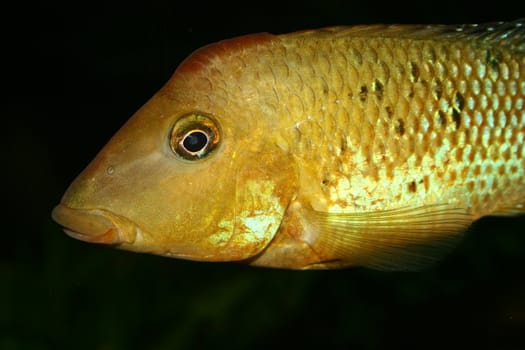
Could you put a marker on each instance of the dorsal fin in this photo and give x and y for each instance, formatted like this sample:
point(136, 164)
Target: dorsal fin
point(507, 34)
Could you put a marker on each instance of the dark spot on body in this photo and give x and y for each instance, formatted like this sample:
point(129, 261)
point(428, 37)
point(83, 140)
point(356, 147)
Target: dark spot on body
point(459, 101)
point(411, 92)
point(493, 58)
point(414, 71)
point(343, 146)
point(325, 182)
point(325, 89)
point(441, 119)
point(363, 93)
point(412, 187)
point(399, 127)
point(426, 182)
point(389, 111)
point(456, 117)
point(378, 89)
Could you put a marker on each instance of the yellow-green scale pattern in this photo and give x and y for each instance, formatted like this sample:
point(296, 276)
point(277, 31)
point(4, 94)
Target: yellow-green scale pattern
point(382, 123)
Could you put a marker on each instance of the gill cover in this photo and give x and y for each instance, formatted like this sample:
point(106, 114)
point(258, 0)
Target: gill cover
point(264, 187)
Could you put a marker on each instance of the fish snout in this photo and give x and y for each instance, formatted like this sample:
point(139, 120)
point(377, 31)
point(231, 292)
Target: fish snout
point(94, 226)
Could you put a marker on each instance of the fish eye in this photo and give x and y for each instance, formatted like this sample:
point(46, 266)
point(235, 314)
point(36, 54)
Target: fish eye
point(194, 136)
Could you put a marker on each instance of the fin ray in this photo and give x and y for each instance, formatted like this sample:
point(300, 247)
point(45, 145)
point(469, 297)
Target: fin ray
point(399, 239)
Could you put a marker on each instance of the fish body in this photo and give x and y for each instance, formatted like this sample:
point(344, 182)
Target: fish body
point(368, 145)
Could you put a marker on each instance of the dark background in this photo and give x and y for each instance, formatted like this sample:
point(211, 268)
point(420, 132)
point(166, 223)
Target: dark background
point(74, 74)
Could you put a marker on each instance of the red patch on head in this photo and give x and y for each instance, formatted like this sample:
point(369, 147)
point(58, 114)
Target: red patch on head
point(202, 56)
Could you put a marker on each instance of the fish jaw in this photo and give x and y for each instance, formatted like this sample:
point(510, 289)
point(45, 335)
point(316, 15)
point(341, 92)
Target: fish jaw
point(94, 225)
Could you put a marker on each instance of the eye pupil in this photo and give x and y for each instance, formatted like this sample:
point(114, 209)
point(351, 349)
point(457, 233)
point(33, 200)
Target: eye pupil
point(195, 141)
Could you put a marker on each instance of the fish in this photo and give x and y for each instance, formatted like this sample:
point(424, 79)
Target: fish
point(367, 145)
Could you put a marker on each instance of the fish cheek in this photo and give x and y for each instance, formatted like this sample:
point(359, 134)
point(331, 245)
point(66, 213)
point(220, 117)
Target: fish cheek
point(264, 186)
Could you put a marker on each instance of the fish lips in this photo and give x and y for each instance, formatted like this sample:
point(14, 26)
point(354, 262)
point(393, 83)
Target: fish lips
point(92, 225)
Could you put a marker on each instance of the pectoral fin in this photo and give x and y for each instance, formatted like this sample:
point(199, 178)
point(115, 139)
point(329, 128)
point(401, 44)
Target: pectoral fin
point(400, 239)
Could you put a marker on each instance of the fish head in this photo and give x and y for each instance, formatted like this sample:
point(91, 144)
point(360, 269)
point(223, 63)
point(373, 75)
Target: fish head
point(194, 174)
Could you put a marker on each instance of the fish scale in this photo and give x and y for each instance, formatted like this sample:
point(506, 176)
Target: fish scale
point(403, 120)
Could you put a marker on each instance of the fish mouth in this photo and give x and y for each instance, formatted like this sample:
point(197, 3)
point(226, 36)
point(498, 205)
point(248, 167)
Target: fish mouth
point(93, 225)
